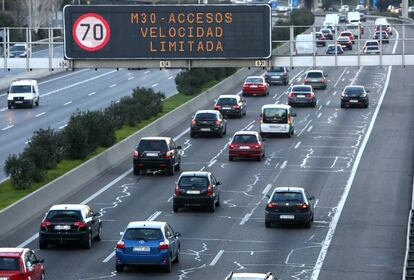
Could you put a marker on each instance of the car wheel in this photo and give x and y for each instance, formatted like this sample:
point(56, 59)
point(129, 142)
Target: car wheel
point(137, 171)
point(245, 112)
point(259, 158)
point(366, 105)
point(9, 106)
point(212, 207)
point(177, 257)
point(342, 105)
point(268, 224)
point(286, 82)
point(177, 167)
point(167, 267)
point(240, 115)
point(231, 158)
point(98, 237)
point(119, 268)
point(225, 130)
point(175, 208)
point(289, 134)
point(262, 135)
point(218, 202)
point(42, 245)
point(171, 170)
point(309, 223)
point(37, 102)
point(87, 244)
point(314, 104)
point(192, 135)
point(31, 104)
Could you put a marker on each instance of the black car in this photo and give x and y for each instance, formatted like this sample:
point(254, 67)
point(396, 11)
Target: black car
point(277, 75)
point(343, 18)
point(327, 33)
point(355, 96)
point(231, 105)
point(155, 154)
point(196, 188)
point(334, 49)
point(302, 95)
point(208, 122)
point(70, 223)
point(290, 205)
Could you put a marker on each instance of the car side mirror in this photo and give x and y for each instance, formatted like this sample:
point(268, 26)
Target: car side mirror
point(97, 215)
point(8, 92)
point(267, 196)
point(261, 115)
point(179, 147)
point(41, 261)
point(368, 90)
point(293, 114)
point(121, 233)
point(177, 234)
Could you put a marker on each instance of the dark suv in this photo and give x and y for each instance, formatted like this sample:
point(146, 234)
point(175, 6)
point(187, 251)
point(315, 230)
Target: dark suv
point(277, 75)
point(231, 105)
point(70, 223)
point(195, 188)
point(155, 154)
point(208, 122)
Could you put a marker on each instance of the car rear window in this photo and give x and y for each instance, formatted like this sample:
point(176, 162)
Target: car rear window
point(272, 113)
point(254, 80)
point(277, 69)
point(372, 43)
point(287, 197)
point(193, 182)
point(354, 90)
point(7, 263)
point(374, 47)
point(227, 101)
point(152, 145)
point(302, 89)
point(245, 139)
point(18, 48)
point(205, 117)
point(64, 216)
point(143, 234)
point(21, 89)
point(314, 75)
point(247, 278)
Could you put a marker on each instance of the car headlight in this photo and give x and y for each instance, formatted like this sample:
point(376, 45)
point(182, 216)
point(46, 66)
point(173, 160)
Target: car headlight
point(343, 94)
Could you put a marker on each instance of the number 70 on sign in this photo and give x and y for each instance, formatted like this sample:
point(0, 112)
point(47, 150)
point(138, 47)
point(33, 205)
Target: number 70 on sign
point(91, 32)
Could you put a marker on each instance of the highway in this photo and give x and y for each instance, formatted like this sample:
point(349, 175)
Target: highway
point(357, 162)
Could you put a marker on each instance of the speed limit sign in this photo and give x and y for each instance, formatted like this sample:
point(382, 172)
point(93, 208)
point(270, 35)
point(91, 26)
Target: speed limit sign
point(91, 32)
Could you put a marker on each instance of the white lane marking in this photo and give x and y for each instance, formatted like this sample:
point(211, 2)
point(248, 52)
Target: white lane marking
point(131, 78)
point(170, 77)
point(328, 102)
point(303, 129)
point(28, 241)
point(113, 85)
point(63, 76)
point(297, 145)
point(319, 115)
point(78, 83)
point(171, 198)
point(334, 222)
point(63, 126)
point(7, 127)
point(339, 78)
point(92, 93)
point(334, 93)
point(266, 190)
point(216, 258)
point(67, 103)
point(40, 114)
point(320, 107)
point(181, 134)
point(310, 128)
point(245, 218)
point(150, 218)
point(146, 72)
point(343, 79)
point(250, 127)
point(212, 163)
point(283, 166)
point(4, 94)
point(154, 85)
point(3, 109)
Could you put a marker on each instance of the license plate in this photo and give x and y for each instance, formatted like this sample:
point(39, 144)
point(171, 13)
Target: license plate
point(18, 102)
point(205, 129)
point(193, 192)
point(152, 154)
point(287, 217)
point(275, 127)
point(244, 147)
point(59, 227)
point(141, 249)
point(276, 77)
point(253, 86)
point(226, 108)
point(353, 101)
point(301, 96)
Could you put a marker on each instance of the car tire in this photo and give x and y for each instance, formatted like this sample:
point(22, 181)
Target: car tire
point(212, 207)
point(31, 104)
point(119, 267)
point(177, 167)
point(42, 245)
point(262, 135)
point(231, 158)
point(137, 171)
point(37, 101)
point(286, 82)
point(171, 170)
point(259, 158)
point(87, 244)
point(98, 237)
point(309, 223)
point(314, 104)
point(192, 135)
point(268, 224)
point(9, 107)
point(218, 201)
point(289, 134)
point(240, 115)
point(167, 268)
point(225, 130)
point(366, 105)
point(177, 257)
point(342, 105)
point(176, 208)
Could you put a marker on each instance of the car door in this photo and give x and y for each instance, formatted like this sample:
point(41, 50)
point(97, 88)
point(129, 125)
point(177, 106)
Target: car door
point(244, 105)
point(177, 152)
point(89, 219)
point(216, 187)
point(36, 265)
point(30, 266)
point(169, 234)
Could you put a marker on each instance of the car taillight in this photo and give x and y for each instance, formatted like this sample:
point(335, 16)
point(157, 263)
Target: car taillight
point(292, 94)
point(217, 107)
point(272, 205)
point(256, 146)
point(120, 245)
point(136, 154)
point(193, 122)
point(217, 123)
point(302, 205)
point(232, 146)
point(80, 224)
point(169, 154)
point(177, 190)
point(261, 85)
point(289, 119)
point(210, 190)
point(163, 246)
point(309, 95)
point(306, 80)
point(236, 107)
point(45, 224)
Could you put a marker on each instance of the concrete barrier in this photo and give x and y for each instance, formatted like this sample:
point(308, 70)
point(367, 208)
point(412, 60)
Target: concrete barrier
point(14, 216)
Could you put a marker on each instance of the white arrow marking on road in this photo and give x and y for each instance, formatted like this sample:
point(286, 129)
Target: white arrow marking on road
point(7, 127)
point(216, 258)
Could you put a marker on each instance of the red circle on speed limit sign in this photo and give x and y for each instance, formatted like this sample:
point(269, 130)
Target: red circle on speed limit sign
point(91, 32)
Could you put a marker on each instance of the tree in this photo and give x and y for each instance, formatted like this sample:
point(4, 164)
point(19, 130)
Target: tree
point(326, 4)
point(41, 12)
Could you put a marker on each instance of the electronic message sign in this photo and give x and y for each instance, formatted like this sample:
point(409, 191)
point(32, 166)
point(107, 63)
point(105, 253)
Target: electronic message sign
point(167, 31)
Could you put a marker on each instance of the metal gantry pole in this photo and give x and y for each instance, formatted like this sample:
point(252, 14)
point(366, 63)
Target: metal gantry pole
point(403, 44)
point(50, 46)
point(359, 44)
point(292, 41)
point(314, 45)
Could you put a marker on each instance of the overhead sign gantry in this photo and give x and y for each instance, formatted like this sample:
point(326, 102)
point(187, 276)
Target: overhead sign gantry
point(167, 35)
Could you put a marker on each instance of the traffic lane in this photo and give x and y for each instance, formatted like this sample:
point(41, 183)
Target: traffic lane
point(373, 228)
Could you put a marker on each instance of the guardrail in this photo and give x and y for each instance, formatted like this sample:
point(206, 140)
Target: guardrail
point(408, 270)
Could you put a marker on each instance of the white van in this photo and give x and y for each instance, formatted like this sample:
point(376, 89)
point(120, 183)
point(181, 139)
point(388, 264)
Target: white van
point(305, 44)
point(333, 18)
point(354, 18)
point(382, 23)
point(277, 119)
point(23, 93)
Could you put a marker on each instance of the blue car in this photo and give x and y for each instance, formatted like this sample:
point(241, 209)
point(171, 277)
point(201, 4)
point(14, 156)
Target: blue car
point(148, 243)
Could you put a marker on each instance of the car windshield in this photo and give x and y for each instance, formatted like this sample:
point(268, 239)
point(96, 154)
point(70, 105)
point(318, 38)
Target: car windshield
point(354, 90)
point(372, 43)
point(343, 39)
point(300, 89)
point(287, 197)
point(332, 48)
point(346, 34)
point(277, 69)
point(245, 138)
point(17, 48)
point(64, 216)
point(193, 182)
point(206, 117)
point(152, 145)
point(246, 278)
point(274, 115)
point(21, 89)
point(227, 101)
point(372, 48)
point(314, 75)
point(143, 234)
point(7, 263)
point(254, 80)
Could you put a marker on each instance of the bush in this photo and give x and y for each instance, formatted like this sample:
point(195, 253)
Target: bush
point(20, 170)
point(302, 17)
point(7, 20)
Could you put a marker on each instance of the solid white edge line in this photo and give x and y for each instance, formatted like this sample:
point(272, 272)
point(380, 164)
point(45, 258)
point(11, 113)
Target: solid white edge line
point(216, 258)
point(266, 190)
point(109, 257)
point(283, 166)
point(181, 134)
point(334, 222)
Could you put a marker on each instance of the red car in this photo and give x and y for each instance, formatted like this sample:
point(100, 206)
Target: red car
point(255, 85)
point(246, 144)
point(20, 264)
point(349, 35)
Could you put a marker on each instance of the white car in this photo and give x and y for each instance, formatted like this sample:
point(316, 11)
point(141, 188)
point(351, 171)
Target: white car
point(370, 43)
point(344, 9)
point(372, 50)
point(277, 119)
point(411, 9)
point(251, 276)
point(19, 50)
point(23, 93)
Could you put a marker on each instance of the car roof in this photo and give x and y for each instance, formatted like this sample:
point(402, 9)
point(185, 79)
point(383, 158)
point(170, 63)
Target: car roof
point(276, 106)
point(156, 138)
point(246, 132)
point(11, 252)
point(315, 71)
point(195, 173)
point(254, 77)
point(68, 207)
point(354, 86)
point(289, 189)
point(146, 224)
point(249, 275)
point(19, 44)
point(207, 111)
point(23, 82)
point(228, 96)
